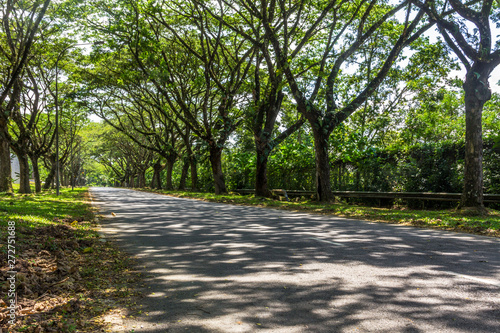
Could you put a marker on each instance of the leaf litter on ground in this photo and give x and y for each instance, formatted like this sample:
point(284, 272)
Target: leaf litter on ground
point(62, 286)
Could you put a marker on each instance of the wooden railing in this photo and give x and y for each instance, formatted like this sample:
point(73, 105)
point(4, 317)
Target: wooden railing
point(380, 195)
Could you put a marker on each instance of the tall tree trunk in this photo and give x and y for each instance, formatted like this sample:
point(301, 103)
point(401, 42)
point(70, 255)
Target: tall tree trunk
point(72, 175)
point(64, 178)
point(24, 174)
point(141, 179)
point(49, 179)
point(170, 170)
point(131, 182)
point(261, 184)
point(194, 172)
point(36, 174)
point(185, 168)
point(138, 180)
point(125, 179)
point(323, 185)
point(61, 176)
point(216, 163)
point(153, 180)
point(52, 173)
point(477, 93)
point(156, 182)
point(264, 145)
point(5, 167)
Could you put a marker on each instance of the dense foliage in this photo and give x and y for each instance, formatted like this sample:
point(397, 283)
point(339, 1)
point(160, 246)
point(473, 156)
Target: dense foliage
point(217, 96)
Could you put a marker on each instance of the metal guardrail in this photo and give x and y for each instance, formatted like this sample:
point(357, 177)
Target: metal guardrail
point(380, 195)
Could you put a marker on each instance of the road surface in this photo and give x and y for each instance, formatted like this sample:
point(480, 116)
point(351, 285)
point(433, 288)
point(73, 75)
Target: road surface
point(221, 268)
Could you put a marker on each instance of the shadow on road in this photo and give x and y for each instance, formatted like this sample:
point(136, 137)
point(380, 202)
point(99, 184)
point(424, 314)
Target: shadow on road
point(222, 268)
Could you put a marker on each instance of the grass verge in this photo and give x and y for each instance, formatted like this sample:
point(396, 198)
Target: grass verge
point(448, 219)
point(67, 279)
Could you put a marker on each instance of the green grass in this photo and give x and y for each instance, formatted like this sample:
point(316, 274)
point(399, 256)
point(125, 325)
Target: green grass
point(448, 219)
point(43, 209)
point(49, 228)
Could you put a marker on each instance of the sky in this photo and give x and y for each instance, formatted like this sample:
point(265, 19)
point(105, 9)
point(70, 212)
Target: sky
point(495, 77)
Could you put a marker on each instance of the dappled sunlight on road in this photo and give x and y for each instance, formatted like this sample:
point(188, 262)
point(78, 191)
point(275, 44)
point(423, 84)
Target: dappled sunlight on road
point(221, 268)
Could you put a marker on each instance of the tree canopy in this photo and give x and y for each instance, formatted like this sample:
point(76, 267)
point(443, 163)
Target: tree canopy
point(228, 94)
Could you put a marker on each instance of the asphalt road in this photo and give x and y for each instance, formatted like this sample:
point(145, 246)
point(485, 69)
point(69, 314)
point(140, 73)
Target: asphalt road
point(222, 268)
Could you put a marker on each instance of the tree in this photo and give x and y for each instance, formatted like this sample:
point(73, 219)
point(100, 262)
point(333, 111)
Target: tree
point(266, 85)
point(479, 55)
point(20, 23)
point(120, 94)
point(333, 33)
point(33, 133)
point(200, 74)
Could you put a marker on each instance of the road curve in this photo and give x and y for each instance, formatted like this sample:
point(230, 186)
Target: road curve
point(222, 268)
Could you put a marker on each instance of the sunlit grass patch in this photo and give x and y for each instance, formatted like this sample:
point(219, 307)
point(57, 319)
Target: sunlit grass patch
point(44, 208)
